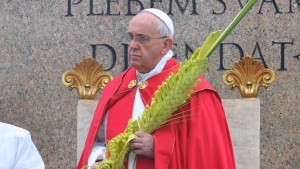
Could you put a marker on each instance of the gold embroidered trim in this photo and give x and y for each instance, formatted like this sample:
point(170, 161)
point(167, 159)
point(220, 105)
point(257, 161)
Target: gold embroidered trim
point(132, 84)
point(143, 85)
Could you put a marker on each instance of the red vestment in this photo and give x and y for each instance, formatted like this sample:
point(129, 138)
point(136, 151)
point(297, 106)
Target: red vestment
point(198, 139)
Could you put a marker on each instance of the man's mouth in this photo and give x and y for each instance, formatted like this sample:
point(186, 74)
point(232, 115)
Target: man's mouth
point(134, 55)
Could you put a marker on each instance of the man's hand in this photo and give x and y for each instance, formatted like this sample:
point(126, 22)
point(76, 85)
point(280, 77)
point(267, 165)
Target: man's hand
point(143, 144)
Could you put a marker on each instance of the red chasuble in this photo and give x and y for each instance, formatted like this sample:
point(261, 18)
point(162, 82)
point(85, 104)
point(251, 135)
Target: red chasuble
point(198, 139)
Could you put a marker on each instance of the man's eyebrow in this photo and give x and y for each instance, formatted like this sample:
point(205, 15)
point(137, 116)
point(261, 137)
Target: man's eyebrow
point(140, 34)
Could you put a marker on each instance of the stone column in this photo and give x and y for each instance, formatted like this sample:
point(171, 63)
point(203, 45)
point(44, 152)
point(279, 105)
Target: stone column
point(243, 117)
point(85, 112)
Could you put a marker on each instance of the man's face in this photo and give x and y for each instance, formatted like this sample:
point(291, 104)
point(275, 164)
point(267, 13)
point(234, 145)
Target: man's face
point(144, 53)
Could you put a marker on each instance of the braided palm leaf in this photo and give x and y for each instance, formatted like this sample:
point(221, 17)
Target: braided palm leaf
point(173, 93)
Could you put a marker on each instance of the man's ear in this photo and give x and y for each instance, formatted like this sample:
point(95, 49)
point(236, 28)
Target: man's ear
point(167, 45)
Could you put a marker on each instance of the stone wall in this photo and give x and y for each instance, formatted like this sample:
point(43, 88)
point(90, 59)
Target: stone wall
point(40, 40)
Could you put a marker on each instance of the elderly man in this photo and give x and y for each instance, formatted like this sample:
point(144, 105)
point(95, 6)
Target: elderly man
point(200, 139)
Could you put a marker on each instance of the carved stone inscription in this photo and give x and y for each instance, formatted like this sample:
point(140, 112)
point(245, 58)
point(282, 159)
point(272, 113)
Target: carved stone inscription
point(106, 8)
point(257, 53)
point(219, 7)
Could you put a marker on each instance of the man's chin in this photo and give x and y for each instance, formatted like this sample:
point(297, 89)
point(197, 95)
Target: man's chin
point(134, 64)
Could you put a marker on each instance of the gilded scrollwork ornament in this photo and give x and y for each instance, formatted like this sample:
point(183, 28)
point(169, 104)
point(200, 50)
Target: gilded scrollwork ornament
point(88, 77)
point(248, 75)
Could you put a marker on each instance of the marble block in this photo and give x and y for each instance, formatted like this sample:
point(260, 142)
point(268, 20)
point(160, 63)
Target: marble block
point(243, 117)
point(85, 111)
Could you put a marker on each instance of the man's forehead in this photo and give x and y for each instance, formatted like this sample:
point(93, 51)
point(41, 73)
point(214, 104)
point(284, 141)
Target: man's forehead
point(142, 22)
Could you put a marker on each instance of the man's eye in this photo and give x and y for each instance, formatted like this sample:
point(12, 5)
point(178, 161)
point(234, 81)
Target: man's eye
point(142, 38)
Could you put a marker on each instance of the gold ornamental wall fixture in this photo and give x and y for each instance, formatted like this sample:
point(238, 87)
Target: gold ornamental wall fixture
point(248, 75)
point(87, 77)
